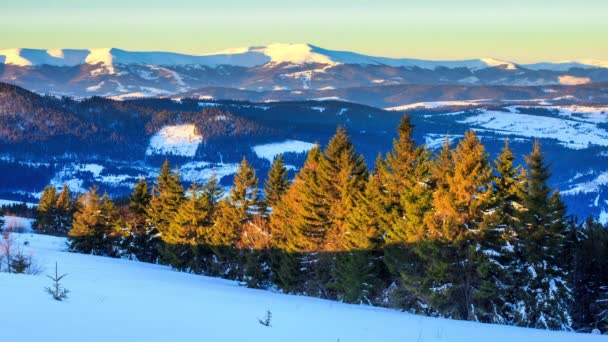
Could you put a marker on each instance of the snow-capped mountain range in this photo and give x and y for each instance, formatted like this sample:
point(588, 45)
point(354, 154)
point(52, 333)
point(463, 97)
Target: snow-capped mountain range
point(257, 56)
point(115, 72)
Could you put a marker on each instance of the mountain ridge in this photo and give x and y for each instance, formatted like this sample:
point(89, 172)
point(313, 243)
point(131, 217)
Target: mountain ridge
point(260, 55)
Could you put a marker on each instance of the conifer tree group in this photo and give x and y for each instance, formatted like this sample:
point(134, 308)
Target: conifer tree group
point(55, 210)
point(455, 234)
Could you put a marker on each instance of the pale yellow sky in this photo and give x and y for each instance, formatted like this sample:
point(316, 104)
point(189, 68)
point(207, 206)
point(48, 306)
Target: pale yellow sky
point(517, 30)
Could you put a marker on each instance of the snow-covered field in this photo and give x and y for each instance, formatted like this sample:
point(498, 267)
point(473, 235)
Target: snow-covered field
point(202, 171)
point(575, 134)
point(11, 202)
point(269, 151)
point(436, 104)
point(121, 300)
point(179, 140)
point(17, 223)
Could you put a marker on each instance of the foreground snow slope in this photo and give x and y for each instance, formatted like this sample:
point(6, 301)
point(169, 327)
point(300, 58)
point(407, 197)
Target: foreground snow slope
point(121, 300)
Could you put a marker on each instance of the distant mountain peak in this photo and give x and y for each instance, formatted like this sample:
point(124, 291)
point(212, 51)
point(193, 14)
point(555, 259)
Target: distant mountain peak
point(493, 62)
point(277, 53)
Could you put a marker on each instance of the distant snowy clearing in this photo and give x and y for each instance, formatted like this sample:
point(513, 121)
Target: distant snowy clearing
point(179, 140)
point(269, 151)
point(573, 134)
point(121, 300)
point(11, 202)
point(436, 104)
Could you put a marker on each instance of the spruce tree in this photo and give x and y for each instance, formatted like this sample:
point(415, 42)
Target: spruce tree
point(276, 184)
point(342, 176)
point(244, 193)
point(355, 276)
point(64, 211)
point(407, 185)
point(460, 204)
point(96, 226)
point(297, 225)
point(167, 196)
point(589, 278)
point(46, 210)
point(185, 229)
point(214, 190)
point(546, 299)
point(140, 241)
point(498, 272)
point(232, 215)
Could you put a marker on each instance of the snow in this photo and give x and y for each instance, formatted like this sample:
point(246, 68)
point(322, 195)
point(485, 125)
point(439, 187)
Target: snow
point(201, 171)
point(569, 133)
point(269, 151)
point(96, 87)
point(567, 65)
point(179, 140)
point(603, 218)
point(436, 104)
point(291, 54)
point(17, 223)
point(435, 141)
point(294, 53)
point(4, 202)
point(498, 63)
point(573, 80)
point(68, 175)
point(122, 300)
point(34, 57)
point(591, 186)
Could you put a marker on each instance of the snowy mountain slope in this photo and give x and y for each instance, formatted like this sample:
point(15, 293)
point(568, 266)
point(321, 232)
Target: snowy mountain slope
point(132, 301)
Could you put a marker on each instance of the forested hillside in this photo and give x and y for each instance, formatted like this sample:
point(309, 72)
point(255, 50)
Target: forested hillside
point(452, 234)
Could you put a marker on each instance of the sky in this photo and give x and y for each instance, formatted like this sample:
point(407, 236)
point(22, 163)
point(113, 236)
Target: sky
point(515, 30)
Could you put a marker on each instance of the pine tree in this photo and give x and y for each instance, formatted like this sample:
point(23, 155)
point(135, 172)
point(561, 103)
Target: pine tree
point(214, 190)
point(460, 204)
point(498, 272)
point(244, 193)
point(64, 211)
point(140, 241)
point(276, 183)
point(46, 210)
point(590, 278)
point(297, 225)
point(233, 214)
point(546, 299)
point(167, 196)
point(182, 236)
point(96, 226)
point(140, 198)
point(342, 177)
point(407, 185)
point(355, 276)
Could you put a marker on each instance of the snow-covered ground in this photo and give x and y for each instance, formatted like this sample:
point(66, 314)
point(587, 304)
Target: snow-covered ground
point(436, 104)
point(17, 223)
point(269, 151)
point(179, 140)
point(121, 300)
point(11, 202)
point(202, 171)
